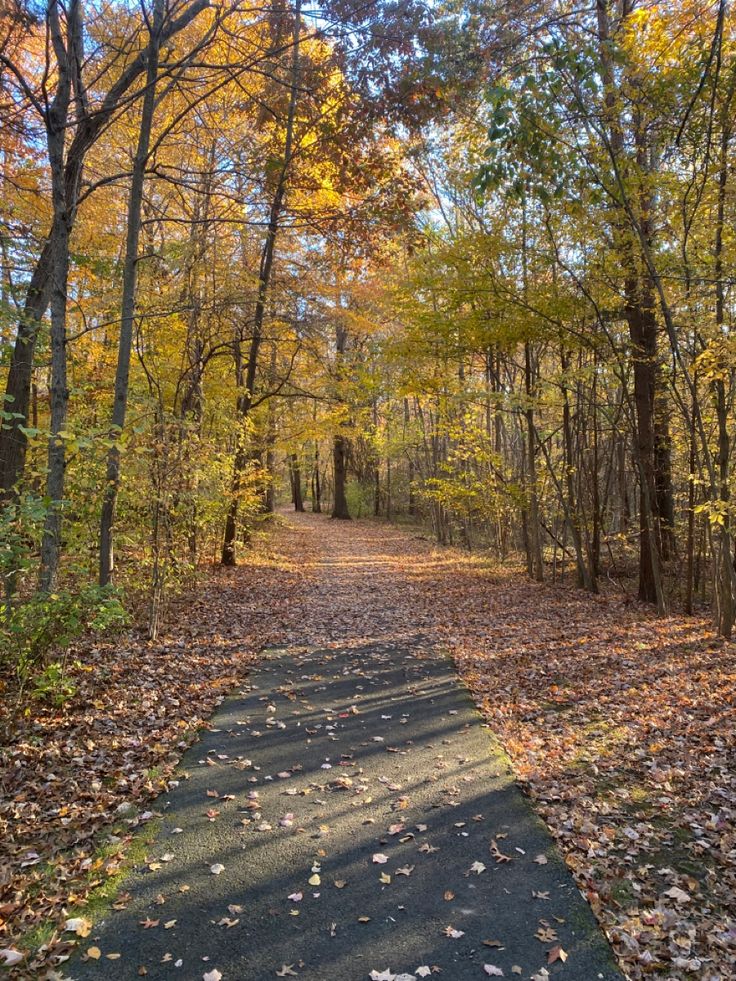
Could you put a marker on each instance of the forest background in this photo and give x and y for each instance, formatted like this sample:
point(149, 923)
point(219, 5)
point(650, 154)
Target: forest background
point(469, 264)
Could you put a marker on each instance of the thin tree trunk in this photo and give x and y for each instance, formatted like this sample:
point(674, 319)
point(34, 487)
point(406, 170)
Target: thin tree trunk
point(245, 401)
point(690, 560)
point(595, 557)
point(339, 458)
point(340, 445)
point(724, 577)
point(316, 482)
point(57, 120)
point(536, 565)
point(269, 497)
point(586, 577)
point(127, 306)
point(296, 482)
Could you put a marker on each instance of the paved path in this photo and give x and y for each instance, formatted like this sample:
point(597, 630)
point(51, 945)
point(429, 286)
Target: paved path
point(349, 817)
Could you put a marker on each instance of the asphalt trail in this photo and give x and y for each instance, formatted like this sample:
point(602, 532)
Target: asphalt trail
point(361, 822)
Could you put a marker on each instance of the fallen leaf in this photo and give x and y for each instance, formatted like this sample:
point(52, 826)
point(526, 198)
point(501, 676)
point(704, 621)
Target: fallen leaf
point(556, 954)
point(679, 895)
point(497, 853)
point(11, 956)
point(78, 925)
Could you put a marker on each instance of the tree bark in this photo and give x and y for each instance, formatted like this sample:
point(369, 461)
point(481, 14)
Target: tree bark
point(536, 565)
point(245, 402)
point(127, 307)
point(316, 482)
point(340, 445)
point(65, 47)
point(339, 457)
point(724, 571)
point(296, 482)
point(641, 321)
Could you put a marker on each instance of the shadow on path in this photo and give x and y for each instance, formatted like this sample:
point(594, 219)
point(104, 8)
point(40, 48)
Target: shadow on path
point(327, 759)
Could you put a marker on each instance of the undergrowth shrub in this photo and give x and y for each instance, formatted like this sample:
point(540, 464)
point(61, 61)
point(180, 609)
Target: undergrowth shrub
point(48, 622)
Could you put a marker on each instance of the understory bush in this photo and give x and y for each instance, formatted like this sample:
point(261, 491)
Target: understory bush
point(46, 623)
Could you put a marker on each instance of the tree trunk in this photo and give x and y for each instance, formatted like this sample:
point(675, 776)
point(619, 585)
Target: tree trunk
point(57, 120)
point(340, 445)
point(724, 572)
point(296, 482)
point(536, 565)
point(690, 566)
point(127, 306)
point(642, 329)
point(269, 496)
point(245, 402)
point(13, 440)
point(641, 321)
point(339, 458)
point(389, 506)
point(59, 397)
point(571, 506)
point(316, 482)
point(665, 504)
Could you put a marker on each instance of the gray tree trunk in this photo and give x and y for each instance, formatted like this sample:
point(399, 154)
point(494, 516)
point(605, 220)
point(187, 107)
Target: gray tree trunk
point(65, 45)
point(245, 402)
point(340, 446)
point(127, 306)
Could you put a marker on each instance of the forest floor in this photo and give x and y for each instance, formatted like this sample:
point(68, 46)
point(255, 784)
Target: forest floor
point(619, 726)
